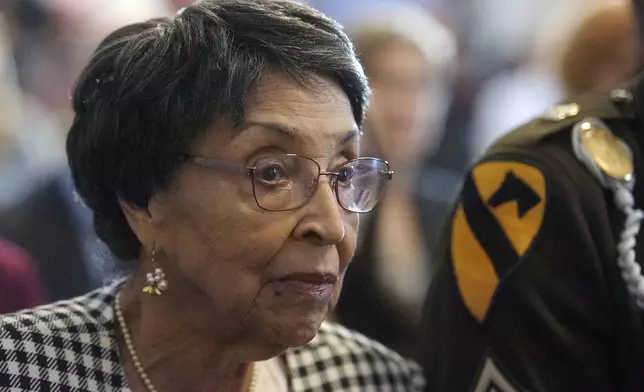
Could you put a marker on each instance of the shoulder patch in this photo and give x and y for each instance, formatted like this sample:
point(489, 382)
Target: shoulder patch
point(499, 215)
point(492, 379)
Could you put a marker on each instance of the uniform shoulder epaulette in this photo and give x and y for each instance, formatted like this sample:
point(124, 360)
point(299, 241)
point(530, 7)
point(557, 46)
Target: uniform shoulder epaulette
point(563, 116)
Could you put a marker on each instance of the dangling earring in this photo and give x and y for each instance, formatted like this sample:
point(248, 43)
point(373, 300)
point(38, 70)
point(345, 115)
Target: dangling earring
point(156, 282)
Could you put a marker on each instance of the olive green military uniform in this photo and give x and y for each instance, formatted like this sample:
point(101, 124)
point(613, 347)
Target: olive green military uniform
point(529, 294)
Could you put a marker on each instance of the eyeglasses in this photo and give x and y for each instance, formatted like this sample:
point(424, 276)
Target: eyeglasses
point(287, 182)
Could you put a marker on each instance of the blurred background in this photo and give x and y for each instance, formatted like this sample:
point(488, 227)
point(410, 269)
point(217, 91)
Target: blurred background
point(449, 77)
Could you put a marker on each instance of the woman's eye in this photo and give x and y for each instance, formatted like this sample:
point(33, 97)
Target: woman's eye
point(272, 174)
point(345, 174)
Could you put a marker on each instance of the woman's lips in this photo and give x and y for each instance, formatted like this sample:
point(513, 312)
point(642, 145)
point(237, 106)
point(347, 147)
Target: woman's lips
point(310, 285)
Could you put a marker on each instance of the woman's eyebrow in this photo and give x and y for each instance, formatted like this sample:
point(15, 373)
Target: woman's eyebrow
point(292, 132)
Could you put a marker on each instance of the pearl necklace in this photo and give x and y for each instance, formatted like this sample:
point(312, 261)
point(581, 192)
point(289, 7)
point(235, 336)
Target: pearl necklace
point(135, 358)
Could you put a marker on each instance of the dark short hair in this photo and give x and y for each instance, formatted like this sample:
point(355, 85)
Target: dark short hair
point(151, 88)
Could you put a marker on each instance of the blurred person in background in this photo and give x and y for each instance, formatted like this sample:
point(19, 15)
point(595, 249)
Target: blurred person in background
point(579, 45)
point(30, 144)
point(52, 224)
point(20, 286)
point(31, 148)
point(51, 40)
point(602, 52)
point(52, 54)
point(219, 152)
point(408, 56)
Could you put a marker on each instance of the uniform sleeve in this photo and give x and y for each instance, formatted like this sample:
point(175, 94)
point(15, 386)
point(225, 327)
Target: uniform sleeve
point(520, 301)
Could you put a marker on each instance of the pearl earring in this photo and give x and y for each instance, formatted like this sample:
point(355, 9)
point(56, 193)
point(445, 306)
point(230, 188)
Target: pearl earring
point(156, 282)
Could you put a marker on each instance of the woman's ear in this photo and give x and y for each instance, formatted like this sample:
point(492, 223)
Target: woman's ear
point(158, 208)
point(140, 221)
point(147, 222)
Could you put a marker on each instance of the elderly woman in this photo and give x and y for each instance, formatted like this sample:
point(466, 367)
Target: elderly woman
point(219, 152)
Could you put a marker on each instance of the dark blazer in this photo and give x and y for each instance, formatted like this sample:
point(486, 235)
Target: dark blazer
point(43, 225)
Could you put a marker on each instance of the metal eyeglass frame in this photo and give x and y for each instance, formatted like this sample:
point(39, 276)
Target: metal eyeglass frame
point(249, 171)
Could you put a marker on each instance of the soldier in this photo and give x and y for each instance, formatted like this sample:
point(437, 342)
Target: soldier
point(539, 286)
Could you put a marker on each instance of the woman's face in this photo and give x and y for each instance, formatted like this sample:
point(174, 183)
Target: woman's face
point(251, 273)
point(400, 108)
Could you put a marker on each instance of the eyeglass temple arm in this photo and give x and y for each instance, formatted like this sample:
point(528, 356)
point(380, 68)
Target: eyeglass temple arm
point(218, 164)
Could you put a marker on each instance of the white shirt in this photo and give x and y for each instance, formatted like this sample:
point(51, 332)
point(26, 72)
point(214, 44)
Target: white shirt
point(271, 376)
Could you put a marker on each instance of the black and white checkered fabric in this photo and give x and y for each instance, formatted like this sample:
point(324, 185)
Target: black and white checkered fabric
point(71, 346)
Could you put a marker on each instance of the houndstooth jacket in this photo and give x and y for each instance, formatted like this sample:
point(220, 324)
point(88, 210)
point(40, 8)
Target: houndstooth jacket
point(71, 346)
